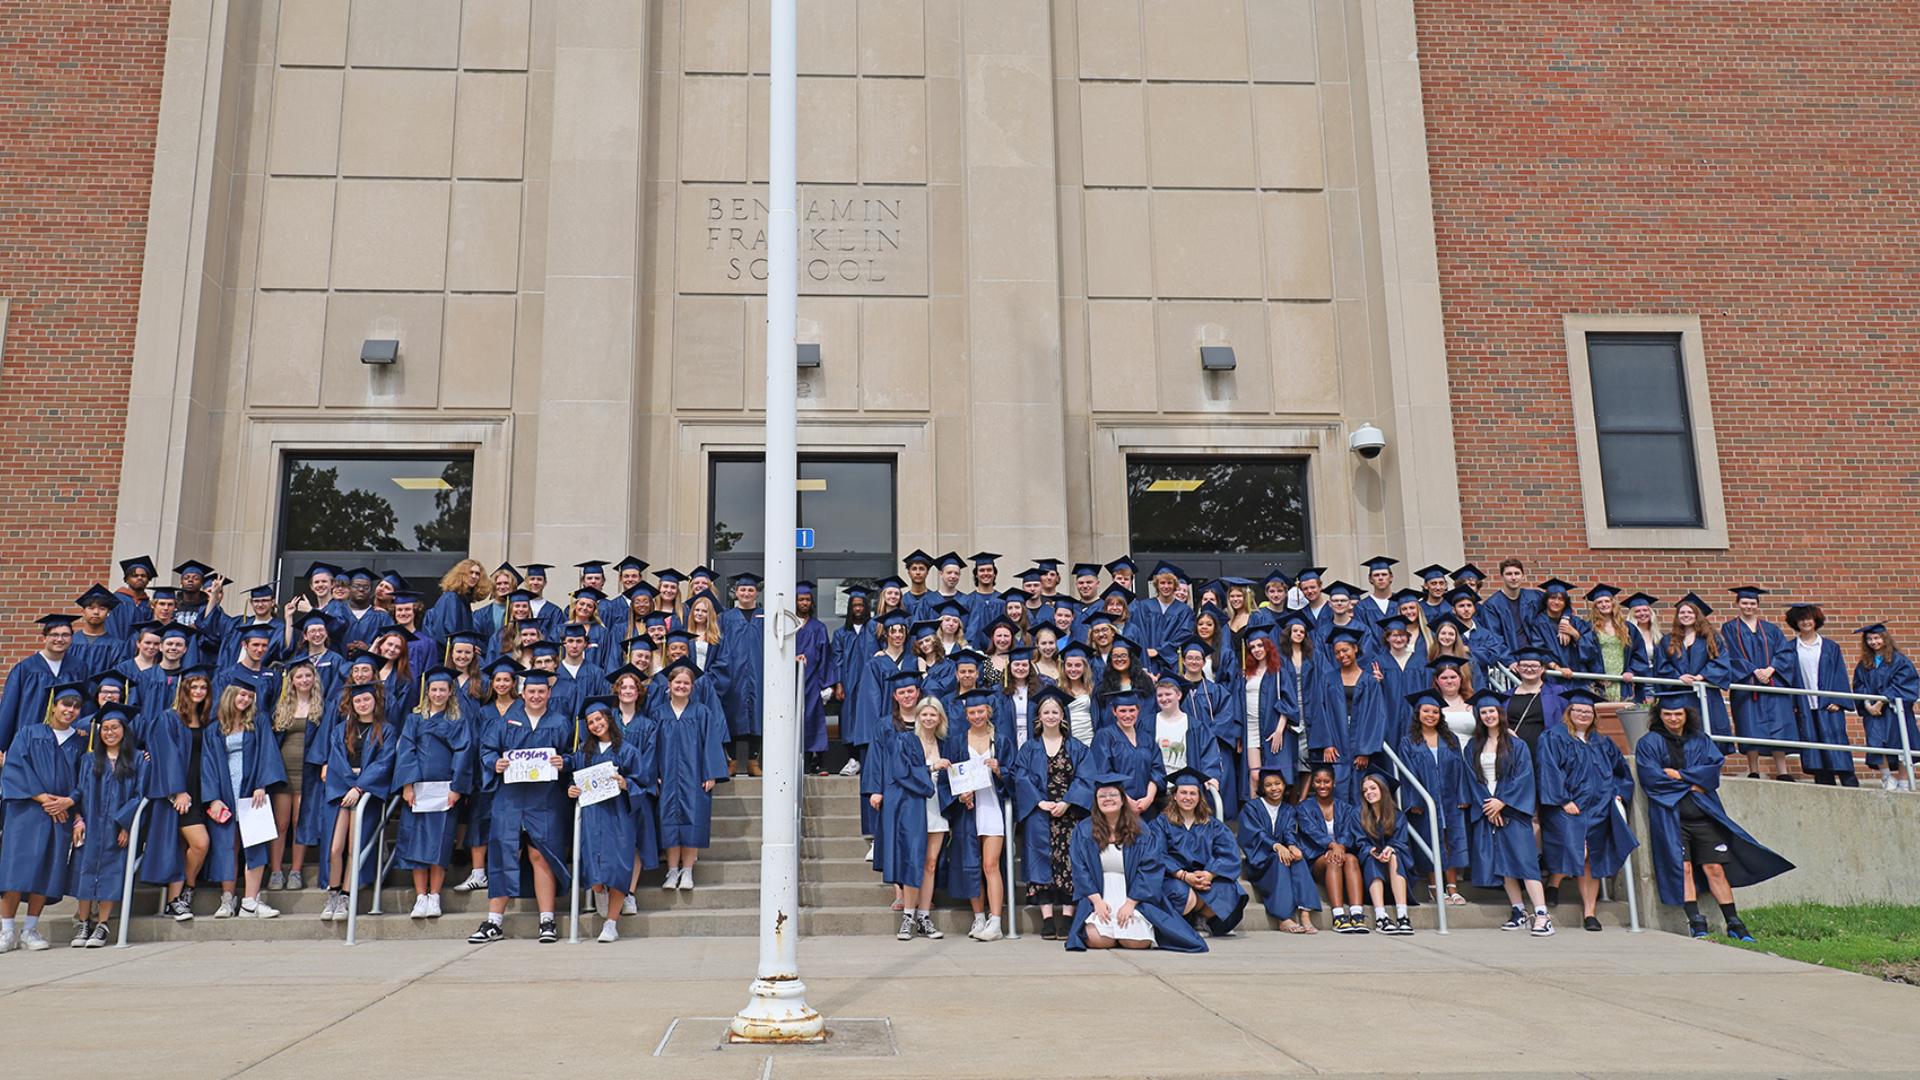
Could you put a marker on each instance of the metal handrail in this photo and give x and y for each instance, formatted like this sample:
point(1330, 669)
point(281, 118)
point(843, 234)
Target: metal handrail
point(133, 864)
point(1904, 753)
point(1012, 929)
point(1433, 825)
point(573, 884)
point(1633, 896)
point(354, 841)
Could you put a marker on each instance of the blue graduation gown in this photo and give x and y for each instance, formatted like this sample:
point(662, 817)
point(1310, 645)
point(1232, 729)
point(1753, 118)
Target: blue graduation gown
point(1030, 765)
point(439, 747)
point(1371, 846)
point(904, 786)
point(815, 646)
point(1641, 660)
point(1310, 826)
point(1511, 616)
point(89, 656)
point(743, 634)
point(607, 833)
point(690, 752)
point(1356, 730)
point(1751, 862)
point(1591, 775)
point(1444, 776)
point(1208, 845)
point(1896, 679)
point(1693, 660)
point(850, 645)
point(260, 769)
point(107, 800)
point(476, 810)
point(571, 689)
point(1284, 888)
point(537, 810)
point(1211, 705)
point(26, 698)
point(449, 615)
point(962, 877)
point(642, 733)
point(169, 746)
point(1543, 631)
point(361, 629)
point(150, 689)
point(1508, 850)
point(1397, 682)
point(34, 858)
point(1146, 873)
point(1817, 722)
point(1760, 716)
point(1139, 760)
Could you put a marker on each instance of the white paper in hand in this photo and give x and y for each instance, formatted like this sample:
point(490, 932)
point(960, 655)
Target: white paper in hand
point(597, 783)
point(430, 796)
point(530, 766)
point(256, 823)
point(965, 776)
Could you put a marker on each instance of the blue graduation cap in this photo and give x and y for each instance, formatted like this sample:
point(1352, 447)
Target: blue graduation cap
point(1347, 634)
point(1050, 565)
point(903, 677)
point(1748, 592)
point(1392, 623)
point(1187, 777)
point(631, 562)
point(896, 617)
point(1580, 695)
point(537, 569)
point(1487, 699)
point(859, 592)
point(1640, 599)
point(1468, 572)
point(1109, 778)
point(1601, 592)
point(163, 592)
point(625, 670)
point(1698, 604)
point(1122, 641)
point(977, 696)
point(927, 628)
point(520, 596)
point(1032, 573)
point(194, 567)
point(573, 630)
point(1342, 588)
point(656, 618)
point(1014, 596)
point(1276, 575)
point(1432, 572)
point(748, 578)
point(508, 568)
point(1054, 694)
point(243, 679)
point(258, 632)
point(262, 592)
point(891, 581)
point(965, 657)
point(1086, 569)
point(1310, 573)
point(640, 589)
point(540, 649)
point(985, 558)
point(1020, 652)
point(361, 573)
point(1872, 628)
point(536, 677)
point(1459, 593)
point(96, 596)
point(406, 597)
point(108, 678)
point(176, 630)
point(1379, 562)
point(50, 623)
point(1075, 648)
point(592, 566)
point(1673, 697)
point(1098, 618)
point(504, 663)
point(950, 609)
point(588, 592)
point(1116, 589)
point(1293, 617)
point(1196, 645)
point(366, 660)
point(394, 580)
point(603, 705)
point(670, 575)
point(325, 620)
point(1426, 697)
point(1554, 586)
point(951, 558)
point(1123, 564)
point(1165, 567)
point(1405, 596)
point(362, 690)
point(68, 690)
point(114, 710)
point(638, 641)
point(1532, 652)
point(139, 562)
point(804, 588)
point(917, 556)
point(1115, 699)
point(439, 674)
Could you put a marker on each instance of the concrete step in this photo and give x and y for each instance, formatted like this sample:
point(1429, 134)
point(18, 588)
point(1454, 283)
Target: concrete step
point(823, 825)
point(811, 847)
point(736, 805)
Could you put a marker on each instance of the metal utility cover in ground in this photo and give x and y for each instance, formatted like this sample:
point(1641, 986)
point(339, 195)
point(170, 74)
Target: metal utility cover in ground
point(851, 1037)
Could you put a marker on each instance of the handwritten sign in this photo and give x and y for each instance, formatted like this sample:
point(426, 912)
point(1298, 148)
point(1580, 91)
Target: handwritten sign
point(530, 766)
point(597, 783)
point(965, 776)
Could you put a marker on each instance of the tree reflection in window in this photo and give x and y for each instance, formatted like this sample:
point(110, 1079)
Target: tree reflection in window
point(1233, 506)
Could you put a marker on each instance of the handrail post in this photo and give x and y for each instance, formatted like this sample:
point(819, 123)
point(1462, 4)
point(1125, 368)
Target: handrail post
point(353, 870)
point(573, 890)
point(133, 863)
point(1437, 853)
point(1633, 895)
point(1906, 749)
point(1706, 715)
point(380, 859)
point(1012, 929)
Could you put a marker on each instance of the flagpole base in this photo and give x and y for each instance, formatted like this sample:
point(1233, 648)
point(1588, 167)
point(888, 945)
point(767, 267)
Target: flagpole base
point(777, 1013)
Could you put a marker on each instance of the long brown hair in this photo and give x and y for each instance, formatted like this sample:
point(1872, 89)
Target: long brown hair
point(459, 581)
point(378, 729)
point(1888, 650)
point(1703, 629)
point(1123, 830)
point(1202, 811)
point(1502, 754)
point(192, 715)
point(1381, 818)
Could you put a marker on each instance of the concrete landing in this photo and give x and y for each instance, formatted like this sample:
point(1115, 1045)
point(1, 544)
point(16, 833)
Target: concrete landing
point(1479, 1002)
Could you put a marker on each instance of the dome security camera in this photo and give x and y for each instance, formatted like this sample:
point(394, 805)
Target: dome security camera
point(1367, 441)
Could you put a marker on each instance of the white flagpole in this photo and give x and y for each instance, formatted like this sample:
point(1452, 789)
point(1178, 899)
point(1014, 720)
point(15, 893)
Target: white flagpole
point(777, 1010)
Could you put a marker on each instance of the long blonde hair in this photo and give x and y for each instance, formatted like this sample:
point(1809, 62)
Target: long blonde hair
point(459, 581)
point(283, 710)
point(711, 634)
point(232, 718)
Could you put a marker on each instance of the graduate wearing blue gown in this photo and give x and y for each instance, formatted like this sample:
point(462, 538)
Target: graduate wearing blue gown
point(1708, 661)
point(1123, 748)
point(29, 682)
point(1889, 673)
point(106, 794)
point(608, 837)
point(1202, 845)
point(742, 636)
point(1686, 823)
point(43, 760)
point(1589, 773)
point(1352, 723)
point(1504, 849)
point(904, 785)
point(365, 766)
point(261, 774)
point(1040, 777)
point(814, 647)
point(1211, 705)
point(1142, 878)
point(1543, 630)
point(1747, 652)
point(450, 614)
point(1379, 843)
point(96, 647)
point(532, 815)
point(1440, 769)
point(1822, 719)
point(437, 746)
point(1285, 887)
point(692, 759)
point(964, 871)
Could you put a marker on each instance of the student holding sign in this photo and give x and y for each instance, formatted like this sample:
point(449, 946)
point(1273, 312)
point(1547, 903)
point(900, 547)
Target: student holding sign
point(607, 774)
point(434, 772)
point(528, 818)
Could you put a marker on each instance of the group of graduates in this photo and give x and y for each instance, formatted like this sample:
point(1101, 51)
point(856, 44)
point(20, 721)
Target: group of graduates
point(1153, 743)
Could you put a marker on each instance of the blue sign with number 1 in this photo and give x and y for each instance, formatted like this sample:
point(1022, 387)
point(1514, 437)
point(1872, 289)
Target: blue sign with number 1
point(803, 539)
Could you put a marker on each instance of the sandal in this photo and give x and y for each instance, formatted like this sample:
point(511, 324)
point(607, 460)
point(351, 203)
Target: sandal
point(1308, 927)
point(1291, 927)
point(1454, 899)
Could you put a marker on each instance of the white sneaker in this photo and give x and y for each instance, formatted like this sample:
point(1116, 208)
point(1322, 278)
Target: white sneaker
point(475, 880)
point(294, 881)
point(609, 932)
point(433, 905)
point(870, 851)
point(420, 907)
point(979, 924)
point(851, 768)
point(991, 932)
point(258, 909)
point(686, 878)
point(225, 910)
point(1888, 783)
point(673, 879)
point(332, 909)
point(9, 941)
point(31, 940)
point(628, 907)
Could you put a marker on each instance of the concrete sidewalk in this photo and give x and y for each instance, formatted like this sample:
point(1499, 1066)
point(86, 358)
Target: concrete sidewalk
point(1479, 1002)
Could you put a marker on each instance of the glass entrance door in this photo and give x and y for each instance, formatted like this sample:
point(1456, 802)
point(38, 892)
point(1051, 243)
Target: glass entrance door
point(847, 501)
point(411, 514)
point(1215, 518)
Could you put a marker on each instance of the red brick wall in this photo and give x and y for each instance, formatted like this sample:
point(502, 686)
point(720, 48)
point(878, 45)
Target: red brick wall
point(1754, 164)
point(79, 97)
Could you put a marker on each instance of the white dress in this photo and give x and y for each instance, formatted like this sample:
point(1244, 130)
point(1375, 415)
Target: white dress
point(936, 817)
point(987, 819)
point(1460, 722)
point(1113, 890)
point(1253, 708)
point(1080, 718)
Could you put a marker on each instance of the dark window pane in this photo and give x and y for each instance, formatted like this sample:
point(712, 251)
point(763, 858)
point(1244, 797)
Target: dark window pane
point(739, 507)
point(1638, 382)
point(378, 504)
point(854, 511)
point(848, 502)
point(1649, 480)
point(1245, 506)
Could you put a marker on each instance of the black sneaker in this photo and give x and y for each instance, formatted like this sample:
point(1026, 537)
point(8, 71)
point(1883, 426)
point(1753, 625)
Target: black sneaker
point(1516, 920)
point(1403, 926)
point(1358, 924)
point(1340, 924)
point(549, 932)
point(924, 924)
point(180, 910)
point(1737, 930)
point(1383, 924)
point(1590, 923)
point(1698, 928)
point(489, 931)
